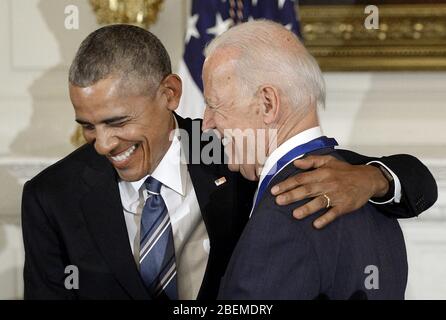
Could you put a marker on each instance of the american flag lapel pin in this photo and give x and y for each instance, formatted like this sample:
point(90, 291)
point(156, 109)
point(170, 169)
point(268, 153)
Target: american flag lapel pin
point(220, 181)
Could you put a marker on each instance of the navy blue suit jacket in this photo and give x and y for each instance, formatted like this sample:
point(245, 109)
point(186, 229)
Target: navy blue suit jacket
point(279, 257)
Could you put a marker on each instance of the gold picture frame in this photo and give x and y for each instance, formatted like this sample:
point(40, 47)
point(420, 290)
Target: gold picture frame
point(142, 13)
point(410, 37)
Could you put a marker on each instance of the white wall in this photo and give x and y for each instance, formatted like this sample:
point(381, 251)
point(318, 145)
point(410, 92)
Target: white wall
point(375, 113)
point(399, 112)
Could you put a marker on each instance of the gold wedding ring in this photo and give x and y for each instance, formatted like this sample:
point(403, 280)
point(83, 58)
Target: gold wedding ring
point(328, 201)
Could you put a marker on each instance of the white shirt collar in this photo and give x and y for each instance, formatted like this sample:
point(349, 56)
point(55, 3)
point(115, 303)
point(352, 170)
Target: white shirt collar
point(297, 140)
point(171, 172)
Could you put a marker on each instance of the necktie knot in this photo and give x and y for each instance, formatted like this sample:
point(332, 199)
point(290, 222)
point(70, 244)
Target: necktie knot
point(153, 185)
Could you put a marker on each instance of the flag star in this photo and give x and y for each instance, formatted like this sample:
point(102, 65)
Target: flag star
point(281, 3)
point(289, 26)
point(220, 26)
point(192, 28)
point(254, 3)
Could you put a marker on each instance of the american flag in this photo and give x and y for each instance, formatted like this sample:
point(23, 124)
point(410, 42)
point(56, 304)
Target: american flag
point(210, 18)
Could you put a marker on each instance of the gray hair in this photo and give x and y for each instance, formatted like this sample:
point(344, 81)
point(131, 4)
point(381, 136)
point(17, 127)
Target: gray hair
point(271, 54)
point(125, 51)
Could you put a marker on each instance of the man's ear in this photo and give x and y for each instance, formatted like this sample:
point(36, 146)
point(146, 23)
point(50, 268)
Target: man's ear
point(171, 86)
point(271, 103)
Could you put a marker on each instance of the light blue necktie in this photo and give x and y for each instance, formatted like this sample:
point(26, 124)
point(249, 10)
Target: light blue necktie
point(157, 253)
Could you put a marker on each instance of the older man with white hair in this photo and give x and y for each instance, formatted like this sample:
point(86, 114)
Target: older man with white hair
point(259, 76)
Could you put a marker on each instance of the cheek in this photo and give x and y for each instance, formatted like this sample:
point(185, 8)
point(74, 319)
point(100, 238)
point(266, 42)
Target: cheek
point(133, 133)
point(221, 121)
point(152, 143)
point(145, 146)
point(89, 135)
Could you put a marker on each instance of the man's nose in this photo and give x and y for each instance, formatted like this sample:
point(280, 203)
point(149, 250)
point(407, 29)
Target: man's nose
point(208, 119)
point(105, 142)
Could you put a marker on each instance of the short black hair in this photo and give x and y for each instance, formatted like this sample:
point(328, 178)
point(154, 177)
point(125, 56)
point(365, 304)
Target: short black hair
point(121, 50)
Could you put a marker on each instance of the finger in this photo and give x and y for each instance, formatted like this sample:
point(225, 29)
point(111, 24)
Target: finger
point(312, 162)
point(309, 208)
point(303, 178)
point(286, 185)
point(326, 219)
point(309, 190)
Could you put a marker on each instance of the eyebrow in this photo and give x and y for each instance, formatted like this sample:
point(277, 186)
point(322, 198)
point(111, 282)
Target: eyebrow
point(105, 121)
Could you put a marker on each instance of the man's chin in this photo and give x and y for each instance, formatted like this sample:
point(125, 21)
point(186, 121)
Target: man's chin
point(128, 176)
point(233, 167)
point(249, 174)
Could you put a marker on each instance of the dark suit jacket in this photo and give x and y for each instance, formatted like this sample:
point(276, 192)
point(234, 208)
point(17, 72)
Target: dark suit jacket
point(72, 215)
point(279, 257)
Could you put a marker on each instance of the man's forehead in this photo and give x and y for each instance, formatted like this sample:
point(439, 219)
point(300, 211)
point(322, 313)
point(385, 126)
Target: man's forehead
point(101, 113)
point(97, 103)
point(221, 74)
point(102, 89)
point(226, 52)
point(221, 58)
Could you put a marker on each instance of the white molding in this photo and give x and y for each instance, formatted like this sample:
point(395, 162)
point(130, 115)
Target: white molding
point(424, 82)
point(25, 168)
point(12, 219)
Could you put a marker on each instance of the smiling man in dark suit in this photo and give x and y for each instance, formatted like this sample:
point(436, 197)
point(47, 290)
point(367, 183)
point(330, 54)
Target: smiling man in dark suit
point(248, 85)
point(135, 219)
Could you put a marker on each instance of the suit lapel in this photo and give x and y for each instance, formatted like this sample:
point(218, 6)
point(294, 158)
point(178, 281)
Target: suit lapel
point(217, 208)
point(217, 204)
point(103, 213)
point(214, 200)
point(211, 197)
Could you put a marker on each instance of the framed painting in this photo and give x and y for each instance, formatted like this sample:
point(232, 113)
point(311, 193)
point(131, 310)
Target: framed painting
point(407, 35)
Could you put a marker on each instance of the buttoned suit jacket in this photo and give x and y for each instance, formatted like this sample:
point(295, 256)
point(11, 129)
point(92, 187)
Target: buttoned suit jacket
point(361, 256)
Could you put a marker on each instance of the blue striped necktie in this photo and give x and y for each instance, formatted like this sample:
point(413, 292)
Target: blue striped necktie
point(157, 253)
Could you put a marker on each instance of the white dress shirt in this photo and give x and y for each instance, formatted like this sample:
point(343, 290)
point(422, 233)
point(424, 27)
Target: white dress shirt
point(302, 138)
point(190, 236)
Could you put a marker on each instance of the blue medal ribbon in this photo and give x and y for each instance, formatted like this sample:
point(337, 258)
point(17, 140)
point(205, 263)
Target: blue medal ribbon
point(313, 145)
